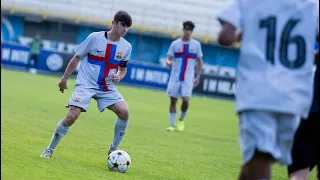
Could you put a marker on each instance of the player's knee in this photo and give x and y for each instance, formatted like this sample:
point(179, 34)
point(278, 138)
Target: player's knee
point(185, 101)
point(70, 119)
point(123, 114)
point(173, 101)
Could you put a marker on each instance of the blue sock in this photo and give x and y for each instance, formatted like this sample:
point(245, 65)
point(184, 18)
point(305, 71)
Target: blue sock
point(60, 131)
point(173, 119)
point(119, 131)
point(182, 115)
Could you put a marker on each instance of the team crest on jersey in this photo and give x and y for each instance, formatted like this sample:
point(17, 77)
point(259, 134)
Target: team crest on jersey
point(119, 55)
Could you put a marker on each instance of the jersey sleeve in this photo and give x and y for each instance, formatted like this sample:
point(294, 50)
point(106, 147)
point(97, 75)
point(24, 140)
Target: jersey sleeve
point(123, 63)
point(128, 54)
point(171, 50)
point(84, 48)
point(231, 14)
point(199, 51)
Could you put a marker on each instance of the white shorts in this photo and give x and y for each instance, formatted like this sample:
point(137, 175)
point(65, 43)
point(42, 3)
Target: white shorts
point(81, 97)
point(178, 89)
point(267, 132)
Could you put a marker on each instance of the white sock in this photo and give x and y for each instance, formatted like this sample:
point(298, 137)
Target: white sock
point(59, 132)
point(173, 119)
point(119, 131)
point(182, 115)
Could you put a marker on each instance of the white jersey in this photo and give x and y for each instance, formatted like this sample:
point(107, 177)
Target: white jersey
point(276, 56)
point(185, 55)
point(100, 60)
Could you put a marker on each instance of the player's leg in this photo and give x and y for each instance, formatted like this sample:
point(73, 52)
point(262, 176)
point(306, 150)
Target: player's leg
point(186, 92)
point(302, 152)
point(173, 91)
point(258, 144)
point(184, 107)
point(122, 111)
point(79, 102)
point(301, 174)
point(243, 173)
point(61, 130)
point(259, 167)
point(172, 114)
point(64, 125)
point(115, 102)
point(287, 125)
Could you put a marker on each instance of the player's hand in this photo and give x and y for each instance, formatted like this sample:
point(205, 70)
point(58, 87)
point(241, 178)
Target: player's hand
point(196, 82)
point(169, 63)
point(115, 78)
point(62, 85)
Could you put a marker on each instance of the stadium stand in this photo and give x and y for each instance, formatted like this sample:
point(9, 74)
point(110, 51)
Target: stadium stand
point(163, 16)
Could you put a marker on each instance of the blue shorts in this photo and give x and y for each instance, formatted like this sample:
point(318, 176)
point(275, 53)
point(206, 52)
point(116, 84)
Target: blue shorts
point(267, 132)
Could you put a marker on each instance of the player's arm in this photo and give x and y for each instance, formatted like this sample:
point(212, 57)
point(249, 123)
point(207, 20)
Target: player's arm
point(170, 54)
point(169, 61)
point(121, 73)
point(239, 36)
point(227, 35)
point(199, 65)
point(231, 20)
point(72, 65)
point(122, 70)
point(81, 51)
point(199, 70)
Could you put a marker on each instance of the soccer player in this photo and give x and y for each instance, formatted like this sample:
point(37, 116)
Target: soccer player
point(274, 76)
point(185, 52)
point(104, 57)
point(306, 146)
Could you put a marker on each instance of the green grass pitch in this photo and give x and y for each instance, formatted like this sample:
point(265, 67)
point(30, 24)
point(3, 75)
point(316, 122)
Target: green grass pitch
point(31, 106)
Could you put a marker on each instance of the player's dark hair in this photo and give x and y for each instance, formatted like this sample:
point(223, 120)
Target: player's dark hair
point(124, 17)
point(188, 25)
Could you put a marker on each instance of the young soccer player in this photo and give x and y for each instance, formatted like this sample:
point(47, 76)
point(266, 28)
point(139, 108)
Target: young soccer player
point(104, 57)
point(181, 58)
point(274, 76)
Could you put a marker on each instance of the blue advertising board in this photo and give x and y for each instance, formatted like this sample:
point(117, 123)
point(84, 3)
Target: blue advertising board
point(13, 54)
point(150, 76)
point(141, 75)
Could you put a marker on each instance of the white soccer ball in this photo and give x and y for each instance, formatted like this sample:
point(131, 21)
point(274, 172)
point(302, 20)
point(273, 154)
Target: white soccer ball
point(119, 161)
